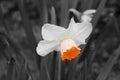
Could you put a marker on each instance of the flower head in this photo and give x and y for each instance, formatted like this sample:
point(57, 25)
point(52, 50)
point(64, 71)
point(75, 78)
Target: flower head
point(64, 40)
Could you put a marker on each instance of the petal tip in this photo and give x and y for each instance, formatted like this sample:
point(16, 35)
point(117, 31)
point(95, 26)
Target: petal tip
point(72, 20)
point(89, 12)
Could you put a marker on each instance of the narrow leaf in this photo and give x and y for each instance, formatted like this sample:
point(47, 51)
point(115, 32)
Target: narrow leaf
point(117, 30)
point(53, 15)
point(73, 3)
point(44, 73)
point(99, 11)
point(64, 13)
point(58, 67)
point(83, 6)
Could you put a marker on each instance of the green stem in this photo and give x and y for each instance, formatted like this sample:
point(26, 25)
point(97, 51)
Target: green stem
point(58, 68)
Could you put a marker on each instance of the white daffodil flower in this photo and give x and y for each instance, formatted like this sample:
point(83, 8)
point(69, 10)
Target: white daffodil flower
point(85, 16)
point(64, 40)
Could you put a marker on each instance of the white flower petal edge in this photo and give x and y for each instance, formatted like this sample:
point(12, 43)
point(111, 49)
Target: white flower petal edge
point(89, 12)
point(77, 13)
point(52, 32)
point(81, 36)
point(45, 47)
point(79, 31)
point(86, 18)
point(74, 27)
point(87, 15)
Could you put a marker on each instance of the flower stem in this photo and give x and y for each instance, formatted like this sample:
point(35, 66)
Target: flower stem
point(58, 67)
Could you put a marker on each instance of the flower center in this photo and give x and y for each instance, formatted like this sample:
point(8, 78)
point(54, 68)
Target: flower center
point(69, 49)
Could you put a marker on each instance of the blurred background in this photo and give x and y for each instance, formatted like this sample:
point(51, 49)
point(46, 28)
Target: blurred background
point(20, 31)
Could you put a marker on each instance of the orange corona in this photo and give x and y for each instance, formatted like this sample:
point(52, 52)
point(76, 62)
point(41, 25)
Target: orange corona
point(69, 49)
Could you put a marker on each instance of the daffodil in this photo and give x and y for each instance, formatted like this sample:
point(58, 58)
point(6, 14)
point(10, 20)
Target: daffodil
point(64, 40)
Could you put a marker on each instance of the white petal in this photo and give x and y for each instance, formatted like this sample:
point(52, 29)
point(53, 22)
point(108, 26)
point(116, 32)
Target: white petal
point(77, 13)
point(87, 15)
point(83, 33)
point(86, 18)
point(89, 12)
point(79, 31)
point(52, 32)
point(74, 27)
point(45, 47)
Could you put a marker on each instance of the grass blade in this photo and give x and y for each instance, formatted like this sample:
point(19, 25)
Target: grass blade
point(64, 13)
point(90, 4)
point(53, 63)
point(53, 15)
point(99, 11)
point(83, 6)
point(42, 10)
point(116, 27)
point(73, 3)
point(44, 73)
point(58, 67)
point(45, 12)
